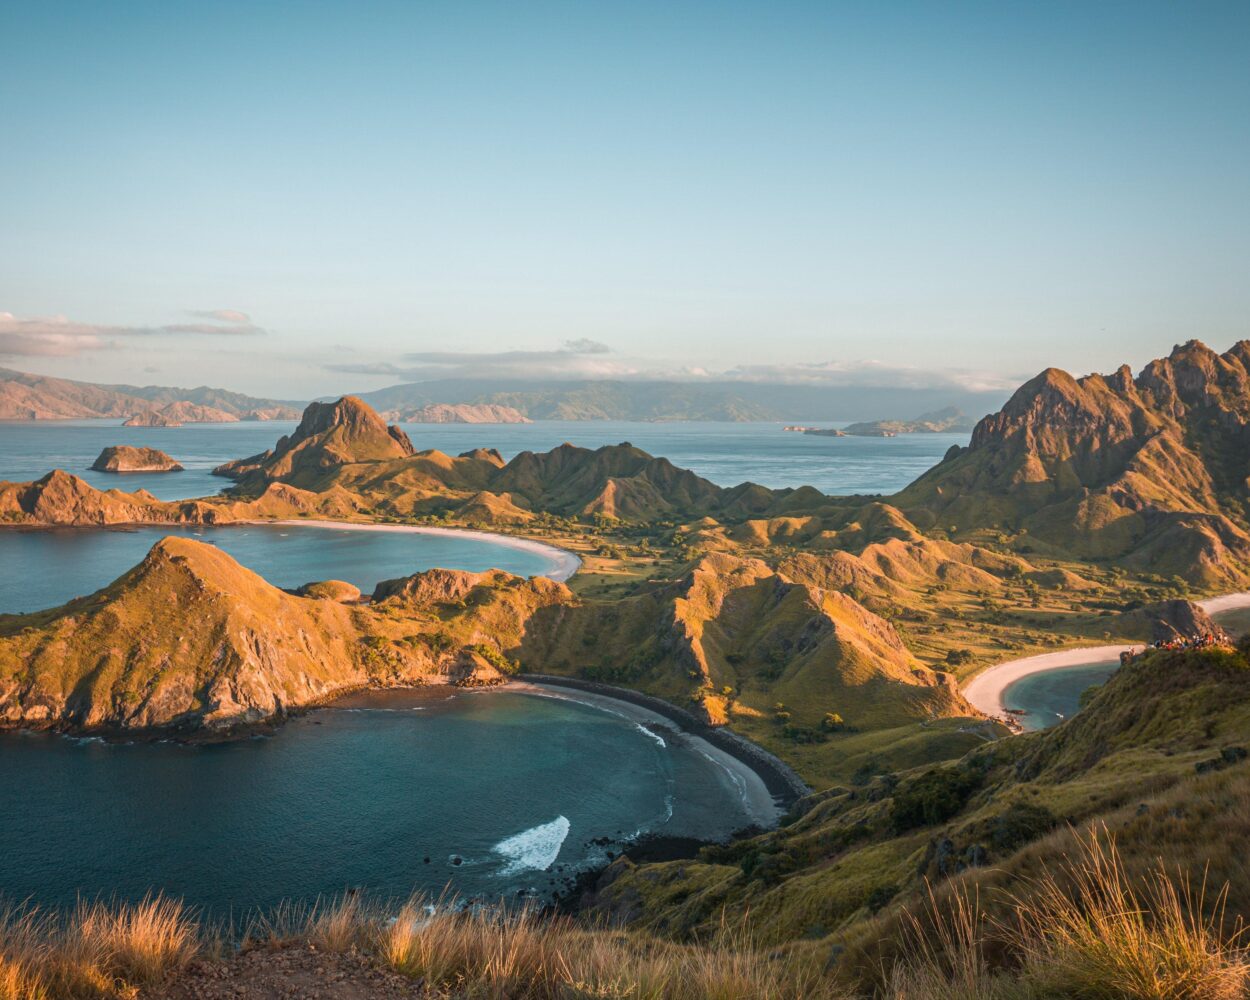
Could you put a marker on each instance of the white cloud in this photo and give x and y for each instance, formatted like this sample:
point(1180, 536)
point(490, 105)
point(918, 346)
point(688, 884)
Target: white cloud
point(59, 336)
point(577, 359)
point(589, 359)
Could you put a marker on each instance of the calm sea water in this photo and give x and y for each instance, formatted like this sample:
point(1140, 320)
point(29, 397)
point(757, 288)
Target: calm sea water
point(516, 786)
point(1054, 695)
point(44, 568)
point(727, 454)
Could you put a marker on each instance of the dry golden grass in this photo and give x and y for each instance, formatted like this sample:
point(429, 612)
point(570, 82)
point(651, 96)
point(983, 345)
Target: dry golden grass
point(1090, 931)
point(522, 956)
point(98, 951)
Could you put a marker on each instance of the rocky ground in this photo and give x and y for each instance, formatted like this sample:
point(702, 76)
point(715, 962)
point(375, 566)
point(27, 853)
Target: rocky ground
point(297, 972)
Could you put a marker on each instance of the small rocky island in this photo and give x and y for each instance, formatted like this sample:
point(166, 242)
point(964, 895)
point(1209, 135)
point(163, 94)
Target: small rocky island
point(125, 458)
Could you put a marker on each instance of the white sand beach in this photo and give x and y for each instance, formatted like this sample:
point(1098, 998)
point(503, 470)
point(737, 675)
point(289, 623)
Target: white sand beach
point(985, 690)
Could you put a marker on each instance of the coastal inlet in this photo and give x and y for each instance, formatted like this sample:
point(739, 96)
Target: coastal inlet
point(494, 795)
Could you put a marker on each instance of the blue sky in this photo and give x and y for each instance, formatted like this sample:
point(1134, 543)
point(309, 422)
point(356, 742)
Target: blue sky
point(296, 198)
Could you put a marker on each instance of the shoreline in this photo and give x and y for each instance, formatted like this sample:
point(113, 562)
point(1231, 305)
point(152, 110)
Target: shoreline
point(727, 748)
point(566, 562)
point(985, 691)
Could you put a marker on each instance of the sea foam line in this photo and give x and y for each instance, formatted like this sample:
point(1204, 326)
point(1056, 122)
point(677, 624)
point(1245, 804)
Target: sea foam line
point(535, 849)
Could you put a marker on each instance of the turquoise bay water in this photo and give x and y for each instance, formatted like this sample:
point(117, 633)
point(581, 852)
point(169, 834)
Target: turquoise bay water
point(515, 785)
point(1049, 697)
point(726, 454)
point(44, 568)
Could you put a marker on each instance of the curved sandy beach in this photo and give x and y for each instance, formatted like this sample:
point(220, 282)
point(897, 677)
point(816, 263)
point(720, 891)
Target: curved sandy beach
point(564, 562)
point(985, 690)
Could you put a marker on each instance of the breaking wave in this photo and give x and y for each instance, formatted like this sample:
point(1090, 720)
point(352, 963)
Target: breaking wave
point(535, 849)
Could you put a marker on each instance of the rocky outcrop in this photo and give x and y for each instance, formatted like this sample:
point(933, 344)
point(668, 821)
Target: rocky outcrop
point(329, 435)
point(459, 413)
point(1168, 621)
point(125, 458)
point(1151, 471)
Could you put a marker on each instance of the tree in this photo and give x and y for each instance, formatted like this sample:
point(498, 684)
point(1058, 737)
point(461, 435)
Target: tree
point(833, 722)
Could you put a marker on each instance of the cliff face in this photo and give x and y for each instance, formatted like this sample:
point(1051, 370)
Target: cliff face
point(1152, 470)
point(124, 458)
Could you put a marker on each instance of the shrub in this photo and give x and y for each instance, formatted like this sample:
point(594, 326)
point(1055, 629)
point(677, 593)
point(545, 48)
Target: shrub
point(932, 798)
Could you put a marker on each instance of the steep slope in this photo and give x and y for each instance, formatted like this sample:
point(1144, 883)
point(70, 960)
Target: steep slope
point(187, 637)
point(1151, 471)
point(736, 623)
point(190, 639)
point(329, 435)
point(41, 397)
point(616, 480)
point(61, 498)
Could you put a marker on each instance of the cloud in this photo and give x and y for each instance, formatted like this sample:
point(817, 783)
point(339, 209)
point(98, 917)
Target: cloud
point(58, 336)
point(589, 359)
point(576, 359)
point(870, 373)
point(223, 315)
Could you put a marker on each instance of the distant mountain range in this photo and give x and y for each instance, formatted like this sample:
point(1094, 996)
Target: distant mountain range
point(26, 396)
point(40, 397)
point(659, 401)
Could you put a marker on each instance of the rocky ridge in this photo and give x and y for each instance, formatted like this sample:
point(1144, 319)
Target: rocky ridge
point(1151, 471)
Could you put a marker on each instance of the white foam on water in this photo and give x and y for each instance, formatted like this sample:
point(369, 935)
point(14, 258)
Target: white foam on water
point(655, 736)
point(535, 849)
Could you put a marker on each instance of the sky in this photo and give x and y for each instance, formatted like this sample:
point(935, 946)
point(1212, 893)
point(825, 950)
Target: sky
point(293, 199)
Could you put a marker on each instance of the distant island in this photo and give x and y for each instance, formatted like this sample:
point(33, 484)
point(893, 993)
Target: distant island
point(949, 420)
point(124, 458)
